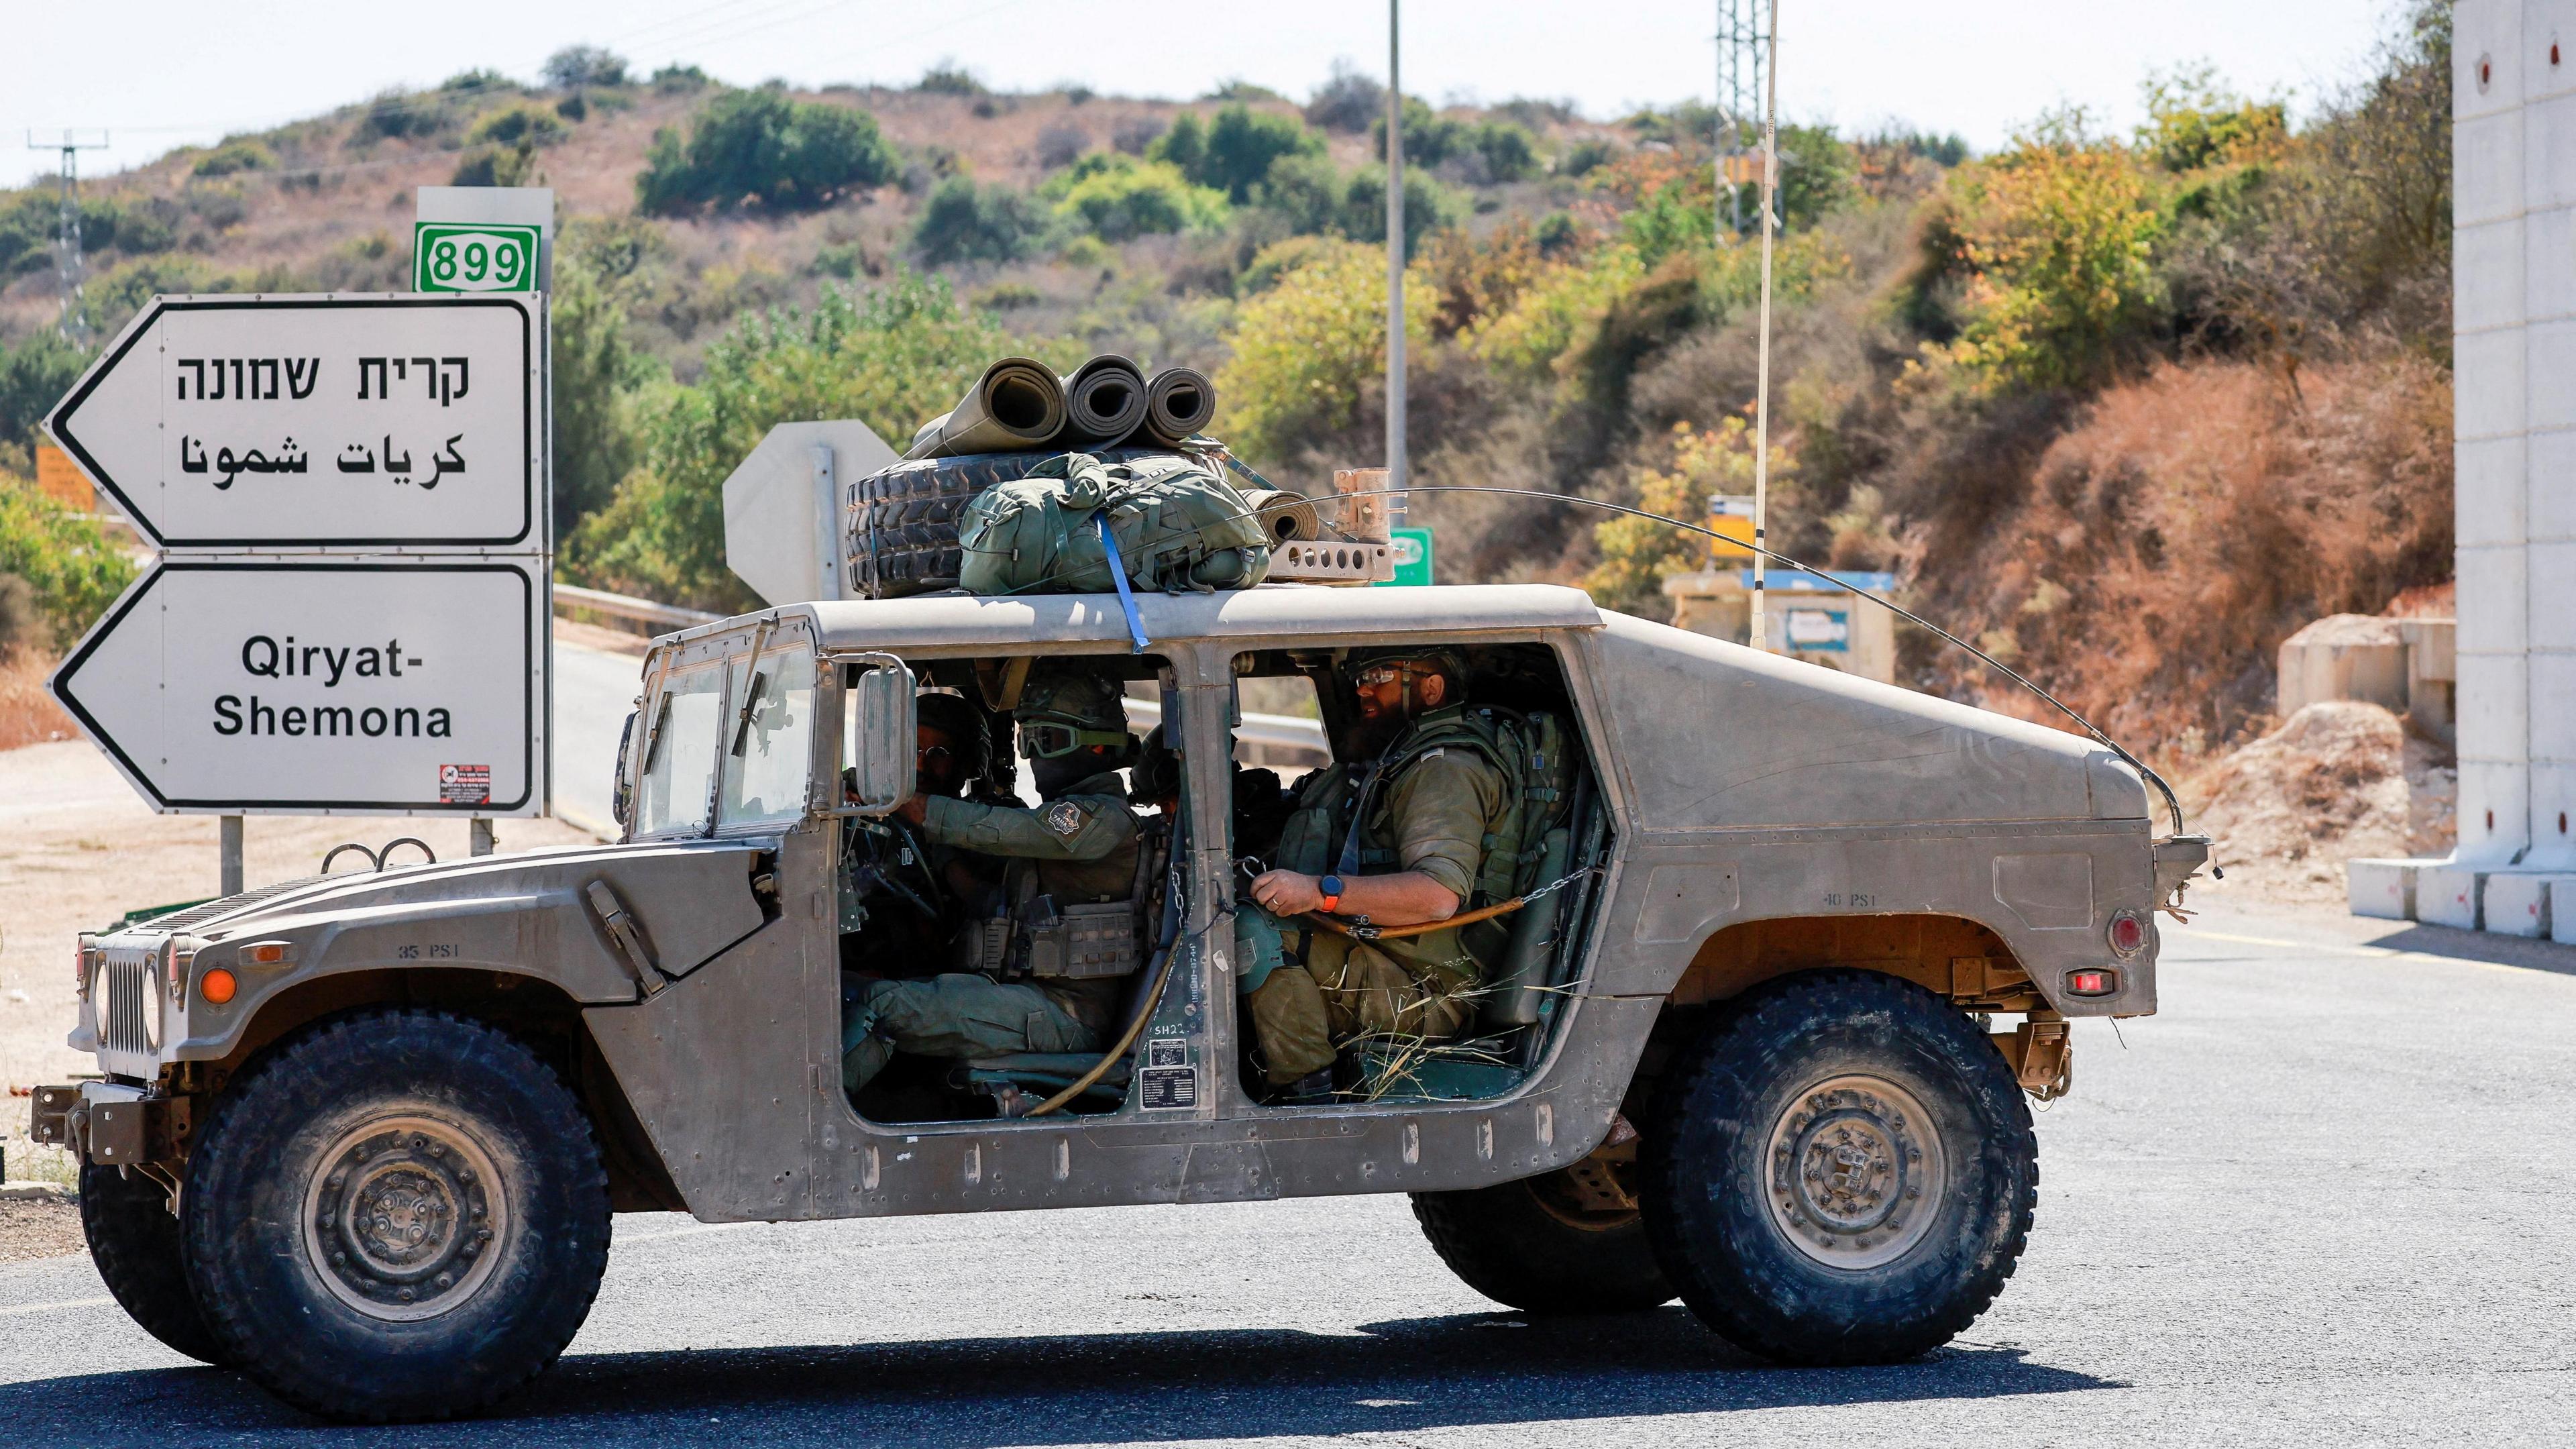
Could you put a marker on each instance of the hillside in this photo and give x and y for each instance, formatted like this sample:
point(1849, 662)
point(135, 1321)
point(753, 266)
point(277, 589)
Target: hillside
point(2125, 409)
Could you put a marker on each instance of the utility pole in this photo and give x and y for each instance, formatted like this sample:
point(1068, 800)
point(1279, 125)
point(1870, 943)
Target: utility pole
point(1394, 265)
point(1762, 369)
point(67, 243)
point(1740, 69)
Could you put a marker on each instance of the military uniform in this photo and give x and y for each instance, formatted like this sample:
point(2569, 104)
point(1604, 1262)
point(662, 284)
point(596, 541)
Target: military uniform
point(1078, 848)
point(1436, 813)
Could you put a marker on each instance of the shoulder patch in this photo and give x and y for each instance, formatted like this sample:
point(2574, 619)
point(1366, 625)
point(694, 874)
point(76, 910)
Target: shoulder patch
point(1065, 818)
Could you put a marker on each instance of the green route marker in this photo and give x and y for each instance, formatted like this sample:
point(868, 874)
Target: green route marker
point(1412, 557)
point(449, 256)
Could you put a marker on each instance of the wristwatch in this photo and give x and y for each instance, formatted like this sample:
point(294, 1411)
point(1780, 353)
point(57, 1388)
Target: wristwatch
point(1331, 886)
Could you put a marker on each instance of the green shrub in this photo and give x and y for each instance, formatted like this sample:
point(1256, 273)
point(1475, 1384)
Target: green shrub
point(1308, 350)
point(1117, 197)
point(1313, 197)
point(1184, 145)
point(964, 222)
point(73, 569)
point(674, 80)
point(34, 375)
point(948, 78)
point(597, 372)
point(893, 357)
point(1348, 101)
point(765, 149)
point(1242, 144)
point(1506, 150)
point(575, 66)
point(1429, 137)
point(523, 124)
point(232, 156)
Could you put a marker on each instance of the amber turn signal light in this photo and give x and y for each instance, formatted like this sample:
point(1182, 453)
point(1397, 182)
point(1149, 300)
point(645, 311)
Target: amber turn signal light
point(217, 986)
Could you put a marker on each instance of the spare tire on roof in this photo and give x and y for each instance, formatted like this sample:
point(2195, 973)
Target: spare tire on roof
point(903, 519)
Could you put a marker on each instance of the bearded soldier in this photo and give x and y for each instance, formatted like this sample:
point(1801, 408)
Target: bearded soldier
point(1403, 835)
point(1077, 848)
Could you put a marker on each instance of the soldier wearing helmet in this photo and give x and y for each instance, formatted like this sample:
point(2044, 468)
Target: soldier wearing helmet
point(1078, 847)
point(1396, 837)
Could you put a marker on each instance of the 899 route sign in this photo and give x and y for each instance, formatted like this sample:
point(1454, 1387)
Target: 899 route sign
point(326, 422)
point(452, 256)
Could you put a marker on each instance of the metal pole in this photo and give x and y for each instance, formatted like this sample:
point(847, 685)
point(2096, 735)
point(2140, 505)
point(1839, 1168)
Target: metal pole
point(228, 853)
point(478, 836)
point(1394, 261)
point(1762, 372)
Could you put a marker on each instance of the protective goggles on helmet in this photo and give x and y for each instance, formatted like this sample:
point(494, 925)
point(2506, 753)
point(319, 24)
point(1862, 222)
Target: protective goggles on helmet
point(1393, 671)
point(1053, 739)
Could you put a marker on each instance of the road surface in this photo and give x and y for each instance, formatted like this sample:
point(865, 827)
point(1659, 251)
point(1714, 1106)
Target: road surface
point(2317, 1200)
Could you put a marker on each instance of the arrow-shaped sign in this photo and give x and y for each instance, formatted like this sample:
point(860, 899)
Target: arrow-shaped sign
point(319, 422)
point(318, 688)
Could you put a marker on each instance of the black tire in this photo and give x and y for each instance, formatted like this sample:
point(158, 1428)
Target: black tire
point(1779, 1178)
point(904, 539)
point(135, 1241)
point(340, 1203)
point(1546, 1246)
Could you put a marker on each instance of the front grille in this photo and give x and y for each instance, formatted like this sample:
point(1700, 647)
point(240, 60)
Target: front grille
point(129, 1014)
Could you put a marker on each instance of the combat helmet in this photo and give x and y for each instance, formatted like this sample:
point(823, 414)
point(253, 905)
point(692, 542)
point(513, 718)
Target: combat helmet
point(1062, 710)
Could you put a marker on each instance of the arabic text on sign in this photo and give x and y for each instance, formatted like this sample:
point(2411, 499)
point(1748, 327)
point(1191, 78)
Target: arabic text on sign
point(448, 461)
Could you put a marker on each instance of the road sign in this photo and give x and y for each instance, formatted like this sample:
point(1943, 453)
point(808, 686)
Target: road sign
point(460, 257)
point(60, 480)
point(296, 423)
point(786, 507)
point(1412, 547)
point(387, 686)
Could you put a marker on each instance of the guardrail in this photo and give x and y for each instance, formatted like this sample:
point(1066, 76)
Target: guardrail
point(627, 607)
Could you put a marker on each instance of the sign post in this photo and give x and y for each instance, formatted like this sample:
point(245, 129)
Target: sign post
point(349, 613)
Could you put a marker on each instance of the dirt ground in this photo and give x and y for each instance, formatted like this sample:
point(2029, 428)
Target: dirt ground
point(78, 849)
point(2338, 781)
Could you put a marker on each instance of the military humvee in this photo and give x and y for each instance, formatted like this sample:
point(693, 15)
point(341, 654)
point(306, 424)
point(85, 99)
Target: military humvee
point(362, 1135)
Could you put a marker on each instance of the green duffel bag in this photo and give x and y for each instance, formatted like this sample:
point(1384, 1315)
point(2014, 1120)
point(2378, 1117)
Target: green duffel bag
point(1178, 528)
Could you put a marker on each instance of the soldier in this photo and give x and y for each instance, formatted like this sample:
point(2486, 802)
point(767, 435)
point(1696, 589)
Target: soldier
point(1429, 799)
point(1077, 848)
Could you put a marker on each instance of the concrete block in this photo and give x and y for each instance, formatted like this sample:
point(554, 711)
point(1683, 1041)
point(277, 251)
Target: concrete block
point(2491, 483)
point(2488, 288)
point(2548, 284)
point(2492, 689)
point(2450, 895)
point(2553, 806)
point(2486, 33)
point(2517, 904)
point(2343, 656)
point(2562, 910)
point(2549, 397)
point(2549, 147)
point(2495, 798)
point(2488, 392)
point(2382, 889)
point(2549, 483)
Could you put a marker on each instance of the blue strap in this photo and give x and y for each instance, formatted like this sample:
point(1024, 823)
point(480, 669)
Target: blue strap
point(1118, 572)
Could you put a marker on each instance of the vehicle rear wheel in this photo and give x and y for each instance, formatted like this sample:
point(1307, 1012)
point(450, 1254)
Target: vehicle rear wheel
point(1568, 1241)
point(135, 1241)
point(1844, 1173)
point(397, 1214)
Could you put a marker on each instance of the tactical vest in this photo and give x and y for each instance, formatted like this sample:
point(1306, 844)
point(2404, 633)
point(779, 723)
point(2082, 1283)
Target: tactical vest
point(1327, 832)
point(1035, 938)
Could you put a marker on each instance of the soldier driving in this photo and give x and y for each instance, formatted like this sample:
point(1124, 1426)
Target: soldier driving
point(1421, 804)
point(1040, 959)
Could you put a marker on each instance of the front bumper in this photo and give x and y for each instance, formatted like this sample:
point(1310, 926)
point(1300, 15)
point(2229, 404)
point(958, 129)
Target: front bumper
point(105, 1124)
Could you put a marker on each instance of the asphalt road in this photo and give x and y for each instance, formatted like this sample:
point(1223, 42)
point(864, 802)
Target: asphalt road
point(2317, 1200)
point(594, 691)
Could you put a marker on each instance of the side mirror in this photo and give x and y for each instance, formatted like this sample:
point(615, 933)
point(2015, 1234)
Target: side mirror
point(621, 794)
point(880, 724)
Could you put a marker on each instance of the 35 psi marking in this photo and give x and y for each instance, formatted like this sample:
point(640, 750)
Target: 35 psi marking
point(435, 952)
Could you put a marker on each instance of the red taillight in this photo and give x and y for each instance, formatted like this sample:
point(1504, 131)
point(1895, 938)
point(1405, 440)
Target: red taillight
point(2092, 983)
point(2128, 933)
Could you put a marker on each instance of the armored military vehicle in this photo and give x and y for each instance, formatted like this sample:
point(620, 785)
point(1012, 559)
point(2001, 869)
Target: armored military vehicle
point(1767, 1049)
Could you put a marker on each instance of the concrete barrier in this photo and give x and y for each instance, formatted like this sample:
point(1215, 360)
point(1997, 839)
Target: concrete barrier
point(2518, 905)
point(2451, 895)
point(2381, 889)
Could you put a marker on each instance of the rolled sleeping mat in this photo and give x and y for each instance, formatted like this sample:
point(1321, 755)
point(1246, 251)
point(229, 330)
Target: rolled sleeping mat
point(1104, 400)
point(1180, 402)
point(1017, 404)
point(1286, 517)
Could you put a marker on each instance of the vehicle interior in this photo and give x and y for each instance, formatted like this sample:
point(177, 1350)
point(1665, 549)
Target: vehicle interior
point(911, 909)
point(1530, 957)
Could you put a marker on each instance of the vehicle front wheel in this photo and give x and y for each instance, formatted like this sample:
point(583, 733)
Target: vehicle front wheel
point(1844, 1172)
point(397, 1214)
point(134, 1240)
point(1568, 1241)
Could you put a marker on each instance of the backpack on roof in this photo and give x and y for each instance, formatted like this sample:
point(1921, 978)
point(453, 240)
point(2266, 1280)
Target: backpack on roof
point(1177, 527)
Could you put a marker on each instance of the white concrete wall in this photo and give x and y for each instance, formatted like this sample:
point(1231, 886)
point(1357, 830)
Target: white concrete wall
point(2514, 209)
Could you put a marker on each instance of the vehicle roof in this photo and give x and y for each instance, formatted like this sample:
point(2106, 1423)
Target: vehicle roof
point(1284, 612)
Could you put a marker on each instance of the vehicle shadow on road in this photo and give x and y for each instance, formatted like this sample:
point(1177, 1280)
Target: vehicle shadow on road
point(2489, 947)
point(1467, 1370)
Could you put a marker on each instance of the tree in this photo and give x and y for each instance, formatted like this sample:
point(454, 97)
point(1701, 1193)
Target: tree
point(1242, 143)
point(1310, 349)
point(596, 373)
point(2057, 235)
point(576, 66)
point(34, 375)
point(893, 358)
point(1638, 554)
point(762, 148)
point(1117, 198)
point(73, 571)
point(964, 222)
point(1349, 101)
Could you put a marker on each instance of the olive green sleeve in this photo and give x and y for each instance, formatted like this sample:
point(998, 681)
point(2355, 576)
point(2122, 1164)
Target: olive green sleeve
point(1077, 827)
point(1443, 806)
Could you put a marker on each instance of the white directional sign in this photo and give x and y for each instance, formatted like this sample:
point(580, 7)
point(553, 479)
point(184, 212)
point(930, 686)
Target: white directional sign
point(338, 422)
point(384, 686)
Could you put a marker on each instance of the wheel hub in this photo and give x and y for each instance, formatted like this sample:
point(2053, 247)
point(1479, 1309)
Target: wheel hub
point(403, 1217)
point(1855, 1172)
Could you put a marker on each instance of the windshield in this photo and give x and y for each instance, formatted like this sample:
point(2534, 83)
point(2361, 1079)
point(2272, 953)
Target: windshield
point(680, 752)
point(771, 747)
